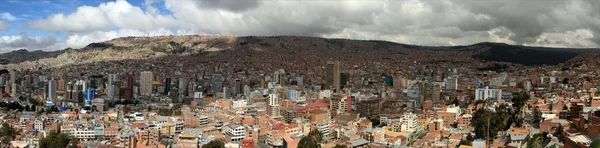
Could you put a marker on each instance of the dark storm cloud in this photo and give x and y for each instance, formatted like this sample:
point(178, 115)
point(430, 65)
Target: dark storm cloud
point(529, 19)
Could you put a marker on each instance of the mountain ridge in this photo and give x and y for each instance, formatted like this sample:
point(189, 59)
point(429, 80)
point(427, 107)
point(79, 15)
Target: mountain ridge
point(148, 47)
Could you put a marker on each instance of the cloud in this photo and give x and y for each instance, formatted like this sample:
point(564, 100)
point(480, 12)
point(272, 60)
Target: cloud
point(3, 26)
point(7, 16)
point(444, 22)
point(24, 41)
point(235, 6)
point(119, 14)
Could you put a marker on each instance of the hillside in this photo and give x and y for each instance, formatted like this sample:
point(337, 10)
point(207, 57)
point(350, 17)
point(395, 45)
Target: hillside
point(23, 55)
point(155, 47)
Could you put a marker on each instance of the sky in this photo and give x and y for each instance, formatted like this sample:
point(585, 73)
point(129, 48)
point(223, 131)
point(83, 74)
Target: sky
point(58, 24)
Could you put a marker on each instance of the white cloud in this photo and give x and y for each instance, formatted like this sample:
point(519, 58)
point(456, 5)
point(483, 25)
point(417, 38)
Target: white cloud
point(7, 16)
point(3, 26)
point(24, 41)
point(119, 14)
point(423, 22)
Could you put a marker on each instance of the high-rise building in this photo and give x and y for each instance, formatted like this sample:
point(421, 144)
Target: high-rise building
point(430, 91)
point(127, 91)
point(183, 85)
point(299, 81)
point(217, 84)
point(51, 89)
point(344, 79)
point(90, 94)
point(333, 71)
point(61, 85)
point(273, 106)
point(451, 83)
point(13, 76)
point(276, 76)
point(112, 78)
point(238, 87)
point(146, 83)
point(167, 86)
point(282, 79)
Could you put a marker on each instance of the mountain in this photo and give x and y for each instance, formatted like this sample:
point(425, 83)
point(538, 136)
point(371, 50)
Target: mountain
point(528, 55)
point(166, 46)
point(23, 55)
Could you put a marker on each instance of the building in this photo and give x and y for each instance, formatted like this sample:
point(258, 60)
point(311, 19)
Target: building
point(273, 106)
point(217, 84)
point(341, 105)
point(333, 75)
point(189, 138)
point(409, 122)
point(236, 132)
point(51, 89)
point(291, 95)
point(344, 79)
point(127, 91)
point(430, 91)
point(487, 93)
point(451, 83)
point(183, 87)
point(146, 83)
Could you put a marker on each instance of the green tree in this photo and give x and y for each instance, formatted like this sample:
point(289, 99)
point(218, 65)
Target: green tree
point(57, 140)
point(7, 134)
point(535, 141)
point(214, 144)
point(340, 146)
point(486, 123)
point(312, 140)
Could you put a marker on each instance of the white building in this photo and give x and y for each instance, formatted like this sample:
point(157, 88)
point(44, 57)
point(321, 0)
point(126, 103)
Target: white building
point(324, 129)
point(238, 104)
point(487, 93)
point(236, 132)
point(409, 122)
point(325, 94)
point(84, 134)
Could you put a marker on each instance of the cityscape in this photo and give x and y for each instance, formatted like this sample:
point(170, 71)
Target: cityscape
point(218, 88)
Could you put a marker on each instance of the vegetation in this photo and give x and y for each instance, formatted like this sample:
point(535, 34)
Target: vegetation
point(339, 146)
point(7, 134)
point(312, 140)
point(214, 144)
point(468, 141)
point(535, 141)
point(487, 123)
point(57, 140)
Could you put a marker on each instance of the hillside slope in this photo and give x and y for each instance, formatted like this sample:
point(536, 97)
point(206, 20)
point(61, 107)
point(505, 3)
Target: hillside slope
point(154, 47)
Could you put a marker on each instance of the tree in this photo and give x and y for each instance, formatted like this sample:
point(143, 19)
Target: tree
point(340, 146)
point(312, 140)
point(57, 140)
point(7, 134)
point(214, 144)
point(535, 141)
point(465, 142)
point(519, 100)
point(487, 123)
point(375, 122)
